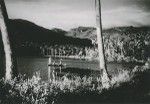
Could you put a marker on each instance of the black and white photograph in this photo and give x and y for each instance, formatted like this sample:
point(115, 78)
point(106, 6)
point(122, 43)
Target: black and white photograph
point(74, 51)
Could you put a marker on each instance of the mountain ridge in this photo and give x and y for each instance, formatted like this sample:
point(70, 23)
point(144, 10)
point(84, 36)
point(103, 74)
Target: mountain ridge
point(87, 33)
point(119, 42)
point(23, 30)
point(90, 33)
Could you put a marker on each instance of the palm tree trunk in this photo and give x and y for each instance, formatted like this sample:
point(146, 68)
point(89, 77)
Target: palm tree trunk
point(102, 63)
point(2, 58)
point(10, 68)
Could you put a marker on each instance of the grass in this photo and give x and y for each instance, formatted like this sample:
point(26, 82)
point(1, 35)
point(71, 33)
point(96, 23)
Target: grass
point(127, 86)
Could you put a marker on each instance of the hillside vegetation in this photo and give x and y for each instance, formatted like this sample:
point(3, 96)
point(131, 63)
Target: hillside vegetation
point(120, 43)
point(126, 87)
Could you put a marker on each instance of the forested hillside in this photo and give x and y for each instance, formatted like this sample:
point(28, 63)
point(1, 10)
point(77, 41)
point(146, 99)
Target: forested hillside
point(120, 43)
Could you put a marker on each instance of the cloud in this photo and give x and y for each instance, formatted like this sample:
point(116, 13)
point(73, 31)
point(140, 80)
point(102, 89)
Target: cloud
point(51, 14)
point(125, 16)
point(67, 14)
point(144, 4)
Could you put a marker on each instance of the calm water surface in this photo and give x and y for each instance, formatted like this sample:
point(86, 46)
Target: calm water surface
point(30, 65)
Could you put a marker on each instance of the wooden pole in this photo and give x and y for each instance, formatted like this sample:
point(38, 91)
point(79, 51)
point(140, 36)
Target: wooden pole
point(102, 63)
point(50, 71)
point(60, 67)
point(9, 58)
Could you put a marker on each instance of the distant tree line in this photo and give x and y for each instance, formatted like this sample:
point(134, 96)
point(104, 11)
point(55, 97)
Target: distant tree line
point(135, 47)
point(120, 44)
point(37, 49)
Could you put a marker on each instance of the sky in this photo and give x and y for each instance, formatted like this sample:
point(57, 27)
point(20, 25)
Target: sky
point(67, 14)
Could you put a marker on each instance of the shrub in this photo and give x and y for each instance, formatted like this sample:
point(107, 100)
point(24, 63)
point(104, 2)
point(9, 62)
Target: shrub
point(36, 91)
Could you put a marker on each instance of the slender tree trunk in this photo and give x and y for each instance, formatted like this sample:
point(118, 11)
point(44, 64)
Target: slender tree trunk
point(10, 68)
point(102, 63)
point(2, 58)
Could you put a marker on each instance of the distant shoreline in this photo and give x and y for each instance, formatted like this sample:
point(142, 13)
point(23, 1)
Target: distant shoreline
point(86, 59)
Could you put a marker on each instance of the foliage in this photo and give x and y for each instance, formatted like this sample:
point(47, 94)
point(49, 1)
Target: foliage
point(36, 91)
point(120, 44)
